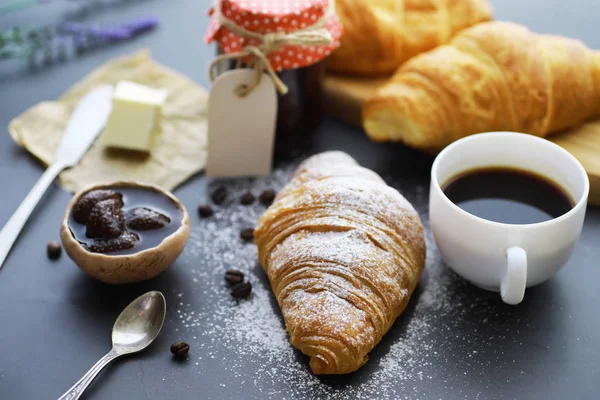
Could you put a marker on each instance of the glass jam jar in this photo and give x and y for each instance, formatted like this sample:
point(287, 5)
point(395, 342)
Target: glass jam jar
point(300, 67)
point(300, 110)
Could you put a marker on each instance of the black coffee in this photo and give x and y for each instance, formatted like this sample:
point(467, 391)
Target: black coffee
point(508, 195)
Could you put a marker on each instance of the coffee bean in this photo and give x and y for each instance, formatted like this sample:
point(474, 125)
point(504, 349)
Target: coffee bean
point(247, 198)
point(180, 349)
point(54, 250)
point(205, 211)
point(241, 290)
point(247, 234)
point(267, 197)
point(219, 195)
point(233, 276)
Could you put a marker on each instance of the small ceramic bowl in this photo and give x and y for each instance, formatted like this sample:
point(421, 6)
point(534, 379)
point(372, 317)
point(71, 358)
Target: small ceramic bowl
point(129, 268)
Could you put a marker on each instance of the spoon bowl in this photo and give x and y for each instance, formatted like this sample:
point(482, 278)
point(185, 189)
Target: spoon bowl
point(139, 323)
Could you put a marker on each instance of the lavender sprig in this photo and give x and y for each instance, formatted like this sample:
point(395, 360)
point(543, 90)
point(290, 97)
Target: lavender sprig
point(53, 42)
point(141, 25)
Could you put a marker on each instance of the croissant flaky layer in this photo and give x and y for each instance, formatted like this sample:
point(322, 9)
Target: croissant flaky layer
point(343, 252)
point(379, 35)
point(495, 76)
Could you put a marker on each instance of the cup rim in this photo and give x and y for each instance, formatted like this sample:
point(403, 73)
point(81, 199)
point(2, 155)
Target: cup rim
point(578, 205)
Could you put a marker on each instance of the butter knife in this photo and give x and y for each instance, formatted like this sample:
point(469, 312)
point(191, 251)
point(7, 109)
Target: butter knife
point(84, 125)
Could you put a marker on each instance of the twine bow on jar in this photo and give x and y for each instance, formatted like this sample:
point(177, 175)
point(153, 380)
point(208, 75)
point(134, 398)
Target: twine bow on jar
point(313, 35)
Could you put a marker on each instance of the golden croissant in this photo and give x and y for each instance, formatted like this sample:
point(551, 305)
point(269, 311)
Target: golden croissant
point(343, 253)
point(379, 35)
point(496, 76)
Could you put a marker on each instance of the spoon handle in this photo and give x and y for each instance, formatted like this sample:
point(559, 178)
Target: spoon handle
point(77, 389)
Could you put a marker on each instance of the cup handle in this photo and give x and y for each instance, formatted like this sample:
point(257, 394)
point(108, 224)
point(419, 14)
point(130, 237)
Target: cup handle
point(512, 287)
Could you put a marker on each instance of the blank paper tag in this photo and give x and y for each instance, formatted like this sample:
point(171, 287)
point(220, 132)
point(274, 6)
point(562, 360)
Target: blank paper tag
point(241, 130)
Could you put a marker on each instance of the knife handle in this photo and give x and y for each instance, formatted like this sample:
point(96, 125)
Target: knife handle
point(15, 224)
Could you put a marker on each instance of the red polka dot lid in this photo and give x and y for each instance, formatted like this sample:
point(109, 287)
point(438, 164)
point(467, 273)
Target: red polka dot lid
point(269, 16)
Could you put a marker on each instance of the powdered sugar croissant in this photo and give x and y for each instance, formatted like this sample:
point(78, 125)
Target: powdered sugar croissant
point(343, 252)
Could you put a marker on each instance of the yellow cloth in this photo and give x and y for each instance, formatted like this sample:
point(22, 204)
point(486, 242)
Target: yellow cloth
point(178, 153)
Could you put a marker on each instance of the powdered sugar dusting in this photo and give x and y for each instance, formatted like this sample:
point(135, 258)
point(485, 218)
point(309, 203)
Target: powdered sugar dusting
point(252, 331)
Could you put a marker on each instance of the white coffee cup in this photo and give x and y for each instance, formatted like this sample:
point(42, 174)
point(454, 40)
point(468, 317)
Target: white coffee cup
point(497, 256)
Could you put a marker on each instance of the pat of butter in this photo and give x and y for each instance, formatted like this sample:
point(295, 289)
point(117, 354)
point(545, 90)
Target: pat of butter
point(135, 112)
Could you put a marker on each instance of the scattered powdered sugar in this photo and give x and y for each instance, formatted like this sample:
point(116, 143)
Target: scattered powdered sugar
point(252, 332)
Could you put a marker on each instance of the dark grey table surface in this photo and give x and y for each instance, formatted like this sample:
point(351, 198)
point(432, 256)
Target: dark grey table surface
point(454, 341)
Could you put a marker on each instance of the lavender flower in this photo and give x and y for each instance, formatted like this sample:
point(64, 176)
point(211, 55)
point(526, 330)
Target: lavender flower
point(50, 43)
point(110, 34)
point(141, 25)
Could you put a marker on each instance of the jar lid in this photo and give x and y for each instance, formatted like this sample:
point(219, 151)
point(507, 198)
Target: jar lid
point(271, 16)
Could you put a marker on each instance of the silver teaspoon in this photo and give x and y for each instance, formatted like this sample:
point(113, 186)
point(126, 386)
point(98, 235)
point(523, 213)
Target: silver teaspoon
point(136, 327)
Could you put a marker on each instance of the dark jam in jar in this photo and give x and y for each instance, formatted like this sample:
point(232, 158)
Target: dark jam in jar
point(300, 110)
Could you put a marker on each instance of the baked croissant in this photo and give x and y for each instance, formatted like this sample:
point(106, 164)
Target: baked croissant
point(379, 35)
point(343, 253)
point(496, 76)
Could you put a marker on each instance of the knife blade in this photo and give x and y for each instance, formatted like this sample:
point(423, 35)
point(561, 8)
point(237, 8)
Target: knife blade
point(86, 122)
point(84, 126)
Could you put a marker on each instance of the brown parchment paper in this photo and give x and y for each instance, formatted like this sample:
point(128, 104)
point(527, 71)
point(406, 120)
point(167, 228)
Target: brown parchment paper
point(178, 152)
